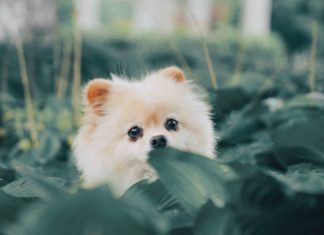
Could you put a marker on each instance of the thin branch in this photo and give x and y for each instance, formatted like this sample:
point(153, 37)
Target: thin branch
point(204, 44)
point(27, 93)
point(65, 68)
point(312, 63)
point(239, 63)
point(76, 86)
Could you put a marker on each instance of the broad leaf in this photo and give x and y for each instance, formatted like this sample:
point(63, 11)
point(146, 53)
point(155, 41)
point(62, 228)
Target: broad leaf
point(295, 134)
point(192, 179)
point(89, 212)
point(161, 200)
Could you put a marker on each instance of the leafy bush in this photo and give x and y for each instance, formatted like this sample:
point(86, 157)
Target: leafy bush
point(268, 177)
point(133, 56)
point(270, 169)
point(292, 19)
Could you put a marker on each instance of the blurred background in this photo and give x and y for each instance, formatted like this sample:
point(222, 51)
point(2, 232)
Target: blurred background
point(261, 65)
point(126, 36)
point(48, 49)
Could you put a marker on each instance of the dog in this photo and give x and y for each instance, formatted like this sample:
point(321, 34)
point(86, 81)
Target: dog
point(125, 119)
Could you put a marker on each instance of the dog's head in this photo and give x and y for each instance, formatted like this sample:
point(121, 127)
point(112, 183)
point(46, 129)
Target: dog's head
point(127, 119)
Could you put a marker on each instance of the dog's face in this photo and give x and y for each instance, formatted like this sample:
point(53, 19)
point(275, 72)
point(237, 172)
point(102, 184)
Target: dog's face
point(135, 117)
point(124, 120)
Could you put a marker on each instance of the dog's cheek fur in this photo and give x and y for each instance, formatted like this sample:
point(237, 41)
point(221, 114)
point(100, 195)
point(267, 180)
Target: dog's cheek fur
point(107, 156)
point(195, 133)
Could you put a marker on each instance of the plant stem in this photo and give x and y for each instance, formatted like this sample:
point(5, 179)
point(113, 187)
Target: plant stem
point(65, 68)
point(76, 86)
point(312, 63)
point(204, 44)
point(180, 57)
point(211, 69)
point(56, 50)
point(4, 73)
point(239, 64)
point(27, 93)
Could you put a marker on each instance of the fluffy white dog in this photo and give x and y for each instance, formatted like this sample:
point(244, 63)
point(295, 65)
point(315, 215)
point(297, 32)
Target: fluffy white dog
point(124, 120)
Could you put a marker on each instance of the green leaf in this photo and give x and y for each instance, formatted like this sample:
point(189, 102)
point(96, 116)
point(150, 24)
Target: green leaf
point(89, 212)
point(303, 178)
point(6, 175)
point(35, 184)
point(307, 134)
point(212, 220)
point(47, 149)
point(245, 153)
point(258, 204)
point(311, 99)
point(161, 200)
point(20, 188)
point(227, 100)
point(282, 157)
point(240, 127)
point(192, 179)
point(9, 208)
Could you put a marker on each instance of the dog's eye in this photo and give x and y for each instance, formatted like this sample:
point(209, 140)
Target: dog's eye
point(171, 124)
point(135, 132)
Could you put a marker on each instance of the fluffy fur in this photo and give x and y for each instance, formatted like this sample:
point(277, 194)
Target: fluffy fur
point(104, 152)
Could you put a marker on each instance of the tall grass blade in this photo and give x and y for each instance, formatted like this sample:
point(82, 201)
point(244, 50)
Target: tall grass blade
point(65, 69)
point(27, 94)
point(204, 44)
point(76, 86)
point(312, 63)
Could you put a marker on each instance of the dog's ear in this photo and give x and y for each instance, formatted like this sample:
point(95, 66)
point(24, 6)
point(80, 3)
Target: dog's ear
point(96, 93)
point(174, 73)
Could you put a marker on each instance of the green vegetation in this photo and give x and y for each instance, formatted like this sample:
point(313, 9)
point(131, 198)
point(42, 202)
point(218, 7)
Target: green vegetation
point(292, 20)
point(268, 178)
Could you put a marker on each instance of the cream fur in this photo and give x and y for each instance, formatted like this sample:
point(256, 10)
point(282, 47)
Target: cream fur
point(102, 149)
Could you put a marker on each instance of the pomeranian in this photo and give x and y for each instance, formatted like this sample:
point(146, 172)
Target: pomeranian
point(124, 120)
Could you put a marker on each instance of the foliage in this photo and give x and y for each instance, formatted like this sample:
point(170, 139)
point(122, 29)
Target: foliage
point(260, 180)
point(100, 58)
point(292, 19)
point(268, 177)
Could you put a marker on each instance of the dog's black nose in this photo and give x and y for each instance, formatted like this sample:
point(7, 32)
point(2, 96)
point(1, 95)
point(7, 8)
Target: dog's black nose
point(158, 141)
